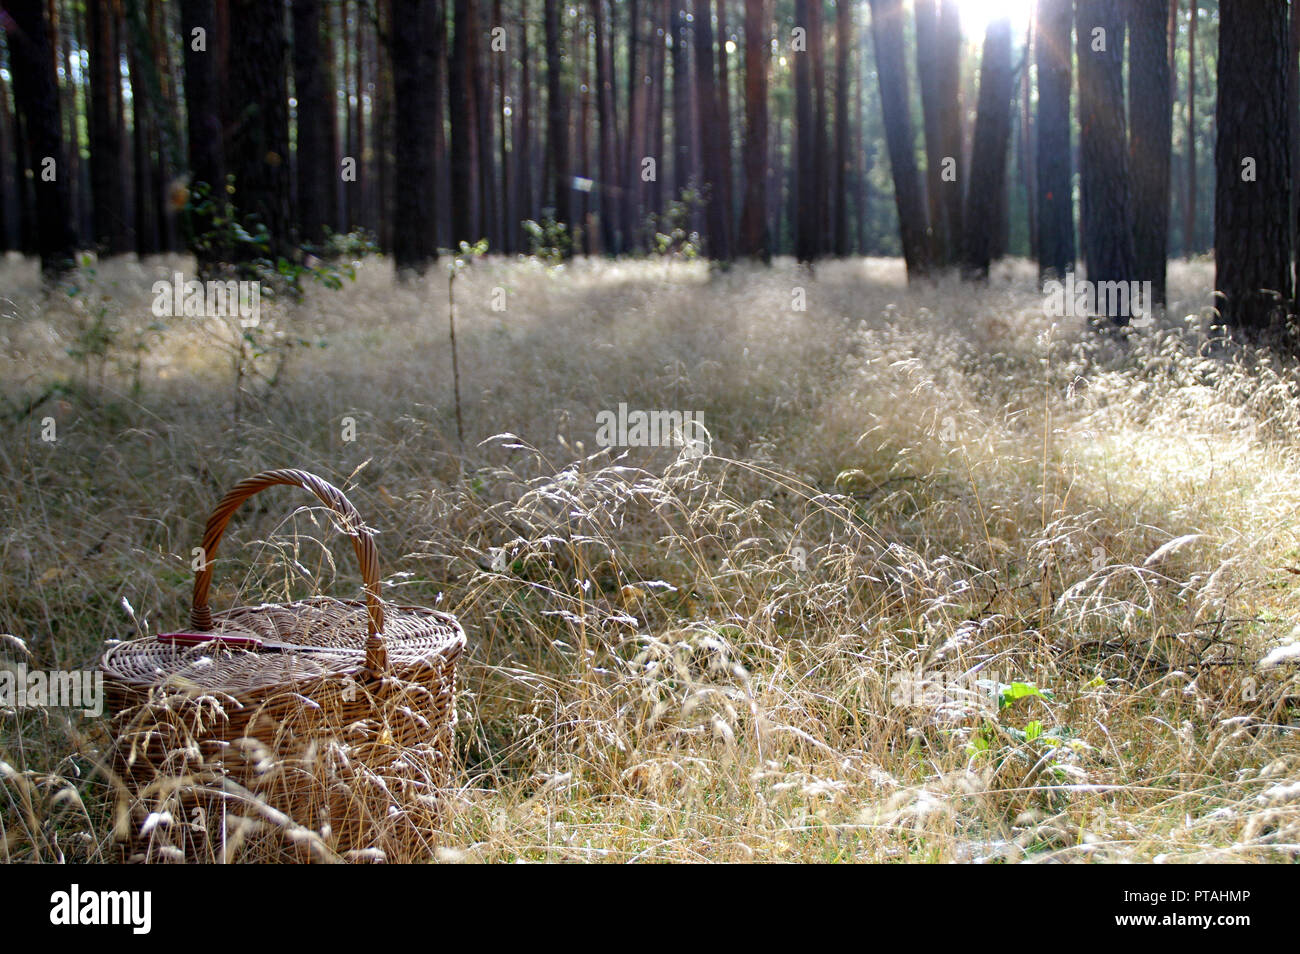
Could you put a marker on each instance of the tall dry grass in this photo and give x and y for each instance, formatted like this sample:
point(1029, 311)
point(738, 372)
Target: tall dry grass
point(954, 582)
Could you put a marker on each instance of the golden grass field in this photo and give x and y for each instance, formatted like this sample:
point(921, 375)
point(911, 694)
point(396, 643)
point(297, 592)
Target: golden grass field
point(714, 658)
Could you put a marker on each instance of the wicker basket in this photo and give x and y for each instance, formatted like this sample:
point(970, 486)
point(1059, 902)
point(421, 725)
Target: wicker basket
point(287, 711)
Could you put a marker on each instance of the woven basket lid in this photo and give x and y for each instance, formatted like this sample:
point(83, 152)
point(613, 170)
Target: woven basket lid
point(413, 636)
point(251, 649)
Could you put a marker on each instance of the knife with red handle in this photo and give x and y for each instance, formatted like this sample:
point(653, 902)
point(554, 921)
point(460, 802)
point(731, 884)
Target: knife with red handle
point(250, 643)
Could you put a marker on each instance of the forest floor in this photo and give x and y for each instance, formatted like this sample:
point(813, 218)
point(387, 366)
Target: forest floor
point(954, 581)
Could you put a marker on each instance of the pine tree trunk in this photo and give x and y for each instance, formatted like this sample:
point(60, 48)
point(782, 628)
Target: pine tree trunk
point(204, 128)
point(840, 200)
point(725, 162)
point(315, 162)
point(988, 164)
point(928, 66)
point(508, 214)
point(36, 96)
point(1189, 212)
point(754, 240)
point(1055, 192)
point(1252, 165)
point(556, 120)
point(1150, 139)
point(821, 124)
point(416, 87)
point(887, 33)
point(1103, 146)
point(950, 46)
point(607, 132)
point(525, 203)
point(111, 236)
point(804, 194)
point(258, 153)
point(682, 125)
point(710, 133)
point(485, 171)
point(464, 123)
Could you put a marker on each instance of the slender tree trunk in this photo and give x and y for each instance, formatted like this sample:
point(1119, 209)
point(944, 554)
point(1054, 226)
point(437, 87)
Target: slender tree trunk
point(509, 217)
point(887, 32)
point(441, 148)
point(315, 114)
point(840, 201)
point(725, 163)
point(804, 199)
point(634, 143)
point(259, 143)
point(1189, 211)
point(415, 88)
point(988, 165)
point(682, 125)
point(821, 123)
point(862, 163)
point(480, 77)
point(1150, 140)
point(464, 121)
point(949, 69)
point(1028, 171)
point(928, 67)
point(1107, 202)
point(710, 133)
point(585, 166)
point(111, 234)
point(8, 200)
point(384, 126)
point(204, 128)
point(36, 96)
point(1252, 164)
point(1055, 193)
point(556, 119)
point(658, 91)
point(525, 204)
point(607, 132)
point(754, 238)
point(1293, 124)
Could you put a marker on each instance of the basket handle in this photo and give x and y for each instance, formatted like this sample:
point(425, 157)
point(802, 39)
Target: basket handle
point(362, 543)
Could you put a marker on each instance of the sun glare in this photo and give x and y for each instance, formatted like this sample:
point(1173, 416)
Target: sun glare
point(976, 15)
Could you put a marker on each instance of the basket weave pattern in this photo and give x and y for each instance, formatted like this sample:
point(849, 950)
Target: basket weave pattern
point(370, 682)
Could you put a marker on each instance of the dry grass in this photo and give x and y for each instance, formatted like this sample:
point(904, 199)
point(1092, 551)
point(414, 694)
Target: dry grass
point(701, 659)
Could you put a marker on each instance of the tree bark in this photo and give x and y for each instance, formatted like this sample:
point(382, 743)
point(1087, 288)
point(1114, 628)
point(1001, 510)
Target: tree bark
point(988, 165)
point(556, 120)
point(1252, 164)
point(1055, 192)
point(1104, 172)
point(754, 238)
point(607, 133)
point(840, 200)
point(1150, 139)
point(110, 227)
point(315, 161)
point(887, 33)
point(259, 101)
point(464, 123)
point(415, 88)
point(204, 129)
point(928, 66)
point(710, 132)
point(683, 127)
point(36, 96)
point(804, 194)
point(525, 203)
point(1190, 244)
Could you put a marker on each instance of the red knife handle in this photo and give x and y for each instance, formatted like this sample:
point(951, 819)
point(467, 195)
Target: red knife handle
point(198, 639)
